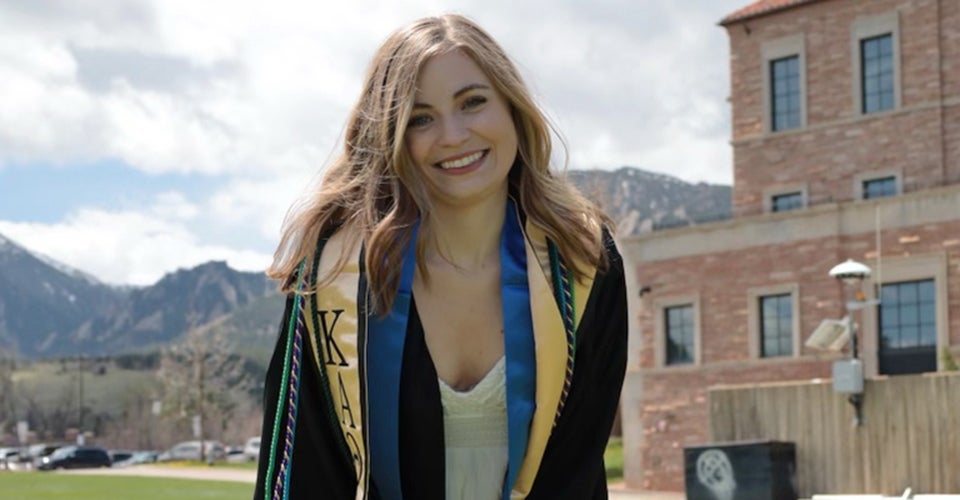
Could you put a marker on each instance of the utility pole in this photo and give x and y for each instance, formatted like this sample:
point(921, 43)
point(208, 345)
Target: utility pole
point(80, 397)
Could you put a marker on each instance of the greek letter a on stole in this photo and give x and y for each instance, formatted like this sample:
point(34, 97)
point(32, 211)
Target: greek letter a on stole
point(337, 349)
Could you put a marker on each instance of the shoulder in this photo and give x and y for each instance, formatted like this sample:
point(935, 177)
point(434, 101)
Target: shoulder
point(335, 248)
point(610, 273)
point(609, 246)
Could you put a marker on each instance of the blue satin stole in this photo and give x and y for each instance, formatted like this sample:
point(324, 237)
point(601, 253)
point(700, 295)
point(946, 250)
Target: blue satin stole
point(385, 340)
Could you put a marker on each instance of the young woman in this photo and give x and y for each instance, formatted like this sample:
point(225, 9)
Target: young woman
point(456, 318)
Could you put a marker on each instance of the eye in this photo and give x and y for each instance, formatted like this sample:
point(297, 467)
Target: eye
point(419, 121)
point(474, 101)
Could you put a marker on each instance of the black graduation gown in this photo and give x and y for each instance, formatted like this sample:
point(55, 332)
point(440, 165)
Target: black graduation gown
point(572, 465)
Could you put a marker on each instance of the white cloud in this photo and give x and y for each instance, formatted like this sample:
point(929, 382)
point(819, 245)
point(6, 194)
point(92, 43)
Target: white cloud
point(227, 86)
point(172, 205)
point(128, 247)
point(258, 205)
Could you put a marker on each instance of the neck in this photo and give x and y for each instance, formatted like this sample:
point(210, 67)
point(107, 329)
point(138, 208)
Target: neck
point(466, 237)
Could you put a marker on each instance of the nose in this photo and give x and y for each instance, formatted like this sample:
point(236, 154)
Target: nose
point(454, 131)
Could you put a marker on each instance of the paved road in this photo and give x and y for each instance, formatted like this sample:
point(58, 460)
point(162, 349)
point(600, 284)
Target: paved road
point(617, 491)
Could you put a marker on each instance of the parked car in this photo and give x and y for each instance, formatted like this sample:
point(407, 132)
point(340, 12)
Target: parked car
point(138, 457)
point(8, 455)
point(236, 454)
point(252, 448)
point(119, 455)
point(36, 453)
point(75, 457)
point(190, 450)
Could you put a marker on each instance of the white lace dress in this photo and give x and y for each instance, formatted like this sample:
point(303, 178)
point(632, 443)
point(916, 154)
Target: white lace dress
point(475, 435)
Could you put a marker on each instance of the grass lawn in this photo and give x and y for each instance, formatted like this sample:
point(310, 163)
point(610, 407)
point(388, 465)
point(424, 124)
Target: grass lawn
point(52, 486)
point(613, 459)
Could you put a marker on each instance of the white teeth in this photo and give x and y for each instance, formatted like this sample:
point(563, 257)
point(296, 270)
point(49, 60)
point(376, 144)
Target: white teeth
point(461, 162)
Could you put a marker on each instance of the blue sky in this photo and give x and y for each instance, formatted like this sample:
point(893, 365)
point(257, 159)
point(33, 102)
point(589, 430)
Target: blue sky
point(143, 136)
point(46, 193)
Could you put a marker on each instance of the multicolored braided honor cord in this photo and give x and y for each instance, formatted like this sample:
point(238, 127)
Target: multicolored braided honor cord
point(563, 292)
point(289, 392)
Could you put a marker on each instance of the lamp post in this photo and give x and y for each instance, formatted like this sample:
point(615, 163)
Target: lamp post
point(848, 374)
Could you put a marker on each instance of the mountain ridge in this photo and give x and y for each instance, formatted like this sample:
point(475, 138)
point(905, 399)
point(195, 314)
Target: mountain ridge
point(48, 312)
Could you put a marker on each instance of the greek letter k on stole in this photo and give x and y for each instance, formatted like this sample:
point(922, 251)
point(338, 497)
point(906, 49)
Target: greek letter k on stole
point(333, 328)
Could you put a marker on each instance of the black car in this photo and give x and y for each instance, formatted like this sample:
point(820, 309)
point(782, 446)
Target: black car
point(76, 457)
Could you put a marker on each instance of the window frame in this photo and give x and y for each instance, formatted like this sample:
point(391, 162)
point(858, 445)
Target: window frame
point(899, 269)
point(866, 189)
point(866, 27)
point(685, 343)
point(879, 78)
point(775, 92)
point(770, 51)
point(862, 177)
point(900, 324)
point(755, 315)
point(780, 190)
point(774, 205)
point(660, 307)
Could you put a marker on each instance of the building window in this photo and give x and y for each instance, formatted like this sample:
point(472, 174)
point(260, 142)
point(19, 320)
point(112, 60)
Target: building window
point(785, 93)
point(676, 340)
point(783, 77)
point(908, 327)
point(679, 327)
point(869, 184)
point(878, 188)
point(773, 313)
point(786, 201)
point(876, 66)
point(875, 54)
point(776, 325)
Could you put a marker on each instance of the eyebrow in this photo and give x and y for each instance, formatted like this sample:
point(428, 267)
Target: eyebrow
point(464, 90)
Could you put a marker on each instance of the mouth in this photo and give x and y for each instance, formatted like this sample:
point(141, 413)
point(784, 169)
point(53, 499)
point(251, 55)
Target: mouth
point(463, 161)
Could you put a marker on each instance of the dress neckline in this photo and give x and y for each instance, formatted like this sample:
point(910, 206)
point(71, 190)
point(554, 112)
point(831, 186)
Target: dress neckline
point(487, 378)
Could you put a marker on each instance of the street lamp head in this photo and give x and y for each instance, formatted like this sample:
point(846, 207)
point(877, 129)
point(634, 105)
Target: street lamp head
point(850, 272)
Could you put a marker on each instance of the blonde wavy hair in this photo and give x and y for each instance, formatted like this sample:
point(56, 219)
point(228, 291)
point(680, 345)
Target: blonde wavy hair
point(374, 186)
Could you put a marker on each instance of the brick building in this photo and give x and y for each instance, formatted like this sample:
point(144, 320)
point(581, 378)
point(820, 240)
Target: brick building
point(846, 144)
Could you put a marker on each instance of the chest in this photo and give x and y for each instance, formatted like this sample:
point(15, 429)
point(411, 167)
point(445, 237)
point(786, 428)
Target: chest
point(462, 321)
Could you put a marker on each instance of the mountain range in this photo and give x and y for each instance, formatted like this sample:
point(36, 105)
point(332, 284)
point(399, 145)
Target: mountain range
point(49, 310)
point(640, 201)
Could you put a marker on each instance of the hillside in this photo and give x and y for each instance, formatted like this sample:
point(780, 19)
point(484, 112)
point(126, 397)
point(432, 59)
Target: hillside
point(48, 310)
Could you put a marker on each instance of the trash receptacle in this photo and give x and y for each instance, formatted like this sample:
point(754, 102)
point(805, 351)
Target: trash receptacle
point(744, 470)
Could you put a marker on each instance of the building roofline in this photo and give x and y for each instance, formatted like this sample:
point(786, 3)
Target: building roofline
point(761, 8)
point(917, 208)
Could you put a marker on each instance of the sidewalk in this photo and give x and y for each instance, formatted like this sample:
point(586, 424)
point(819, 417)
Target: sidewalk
point(618, 491)
point(177, 471)
point(644, 495)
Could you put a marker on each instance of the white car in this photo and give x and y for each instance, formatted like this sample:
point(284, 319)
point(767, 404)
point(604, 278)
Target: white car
point(190, 450)
point(8, 456)
point(252, 449)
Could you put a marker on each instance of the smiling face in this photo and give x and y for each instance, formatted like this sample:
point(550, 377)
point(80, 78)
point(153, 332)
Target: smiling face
point(460, 135)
